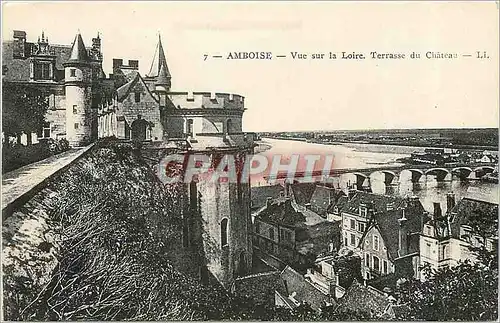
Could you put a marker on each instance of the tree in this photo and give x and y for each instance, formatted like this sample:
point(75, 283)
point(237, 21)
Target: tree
point(24, 110)
point(468, 291)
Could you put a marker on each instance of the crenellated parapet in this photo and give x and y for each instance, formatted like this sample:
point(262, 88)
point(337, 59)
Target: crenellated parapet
point(208, 101)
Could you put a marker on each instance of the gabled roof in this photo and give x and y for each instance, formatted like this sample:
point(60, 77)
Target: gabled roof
point(365, 299)
point(282, 212)
point(293, 283)
point(259, 194)
point(133, 77)
point(302, 192)
point(379, 202)
point(467, 208)
point(387, 221)
point(323, 198)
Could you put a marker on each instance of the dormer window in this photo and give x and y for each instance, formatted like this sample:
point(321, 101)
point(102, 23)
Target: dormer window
point(42, 71)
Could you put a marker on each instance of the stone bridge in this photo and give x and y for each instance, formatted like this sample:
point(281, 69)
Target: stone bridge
point(391, 174)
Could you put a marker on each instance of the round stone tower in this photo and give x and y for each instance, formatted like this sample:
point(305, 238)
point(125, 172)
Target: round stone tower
point(77, 82)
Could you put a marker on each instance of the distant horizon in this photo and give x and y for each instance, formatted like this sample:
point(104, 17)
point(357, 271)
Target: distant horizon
point(384, 129)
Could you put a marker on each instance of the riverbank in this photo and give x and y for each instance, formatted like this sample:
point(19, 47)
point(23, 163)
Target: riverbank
point(417, 147)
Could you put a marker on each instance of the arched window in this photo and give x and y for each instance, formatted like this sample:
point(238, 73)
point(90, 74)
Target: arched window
point(229, 126)
point(223, 232)
point(376, 263)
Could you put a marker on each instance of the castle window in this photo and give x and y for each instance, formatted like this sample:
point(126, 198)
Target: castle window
point(229, 126)
point(271, 233)
point(376, 263)
point(353, 239)
point(375, 243)
point(76, 125)
point(41, 71)
point(223, 232)
point(257, 227)
point(353, 224)
point(367, 260)
point(189, 129)
point(385, 267)
point(75, 111)
point(361, 227)
point(44, 132)
point(72, 72)
point(137, 97)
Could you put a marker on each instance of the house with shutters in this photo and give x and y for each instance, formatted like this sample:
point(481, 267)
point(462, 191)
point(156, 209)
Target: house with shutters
point(384, 231)
point(449, 238)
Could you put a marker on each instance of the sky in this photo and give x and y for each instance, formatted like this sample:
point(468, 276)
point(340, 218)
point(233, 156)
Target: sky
point(283, 94)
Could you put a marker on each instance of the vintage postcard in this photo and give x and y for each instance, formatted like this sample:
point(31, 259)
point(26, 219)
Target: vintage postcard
point(250, 161)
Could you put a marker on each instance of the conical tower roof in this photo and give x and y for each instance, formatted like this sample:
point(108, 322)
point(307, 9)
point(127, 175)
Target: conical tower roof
point(159, 60)
point(163, 76)
point(78, 50)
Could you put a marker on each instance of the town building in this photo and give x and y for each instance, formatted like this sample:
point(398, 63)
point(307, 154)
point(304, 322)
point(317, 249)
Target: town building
point(294, 290)
point(449, 238)
point(383, 231)
point(288, 234)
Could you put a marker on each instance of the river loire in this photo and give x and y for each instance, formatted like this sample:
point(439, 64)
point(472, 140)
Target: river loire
point(370, 156)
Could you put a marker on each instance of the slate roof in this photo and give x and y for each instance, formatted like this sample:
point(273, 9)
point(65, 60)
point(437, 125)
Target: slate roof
point(378, 201)
point(316, 238)
point(467, 207)
point(302, 192)
point(365, 299)
point(386, 221)
point(282, 212)
point(163, 78)
point(259, 194)
point(258, 287)
point(294, 282)
point(340, 204)
point(18, 69)
point(133, 77)
point(324, 198)
point(78, 50)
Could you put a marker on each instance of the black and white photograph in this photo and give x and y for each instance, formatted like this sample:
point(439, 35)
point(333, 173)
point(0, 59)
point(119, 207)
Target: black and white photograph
point(250, 161)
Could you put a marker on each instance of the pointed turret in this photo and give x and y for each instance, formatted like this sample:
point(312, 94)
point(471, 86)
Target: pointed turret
point(163, 77)
point(159, 60)
point(78, 50)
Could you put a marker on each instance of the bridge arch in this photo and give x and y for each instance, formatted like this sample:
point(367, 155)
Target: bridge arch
point(389, 175)
point(485, 169)
point(459, 169)
point(462, 172)
point(440, 173)
point(415, 174)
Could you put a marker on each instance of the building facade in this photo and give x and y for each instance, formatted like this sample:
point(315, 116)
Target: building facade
point(449, 238)
point(384, 232)
point(85, 105)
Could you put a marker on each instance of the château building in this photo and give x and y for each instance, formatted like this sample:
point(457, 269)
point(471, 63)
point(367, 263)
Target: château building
point(85, 104)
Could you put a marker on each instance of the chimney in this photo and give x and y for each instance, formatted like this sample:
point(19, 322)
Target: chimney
point(117, 62)
point(269, 201)
point(437, 210)
point(350, 194)
point(288, 187)
point(19, 50)
point(403, 234)
point(450, 201)
point(133, 63)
